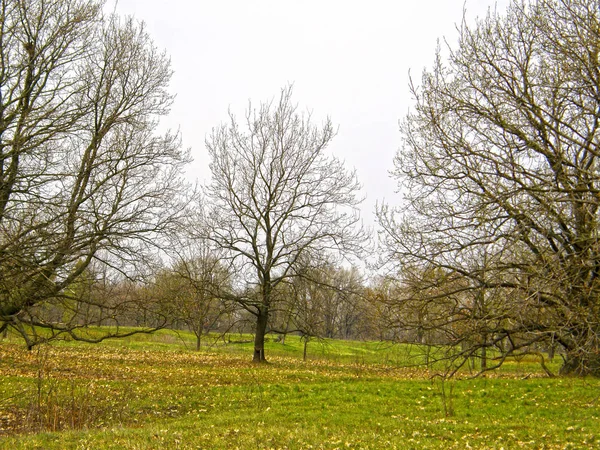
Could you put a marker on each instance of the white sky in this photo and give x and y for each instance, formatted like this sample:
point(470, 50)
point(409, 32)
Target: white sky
point(347, 59)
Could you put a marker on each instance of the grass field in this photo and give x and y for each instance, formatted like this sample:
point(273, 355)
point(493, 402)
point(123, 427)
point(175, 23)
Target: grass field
point(154, 392)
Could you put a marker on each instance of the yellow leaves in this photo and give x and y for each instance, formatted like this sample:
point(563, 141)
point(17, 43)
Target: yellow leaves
point(226, 401)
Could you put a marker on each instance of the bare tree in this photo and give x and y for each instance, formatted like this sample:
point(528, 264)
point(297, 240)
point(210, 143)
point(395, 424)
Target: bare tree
point(192, 291)
point(276, 196)
point(326, 302)
point(83, 177)
point(501, 158)
point(306, 304)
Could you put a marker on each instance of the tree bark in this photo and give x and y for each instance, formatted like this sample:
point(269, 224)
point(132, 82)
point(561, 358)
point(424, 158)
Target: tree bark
point(483, 357)
point(259, 337)
point(580, 364)
point(305, 353)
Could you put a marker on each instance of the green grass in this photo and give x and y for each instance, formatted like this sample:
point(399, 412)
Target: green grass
point(154, 391)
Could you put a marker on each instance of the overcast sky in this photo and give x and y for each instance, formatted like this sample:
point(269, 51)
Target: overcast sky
point(349, 60)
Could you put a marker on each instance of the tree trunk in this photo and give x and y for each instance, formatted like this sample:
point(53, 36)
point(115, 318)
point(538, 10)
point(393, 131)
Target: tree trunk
point(259, 337)
point(427, 351)
point(305, 353)
point(484, 351)
point(582, 353)
point(287, 327)
point(198, 341)
point(581, 365)
point(551, 350)
point(483, 358)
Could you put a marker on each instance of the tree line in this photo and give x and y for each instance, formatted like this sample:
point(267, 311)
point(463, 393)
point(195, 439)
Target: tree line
point(493, 253)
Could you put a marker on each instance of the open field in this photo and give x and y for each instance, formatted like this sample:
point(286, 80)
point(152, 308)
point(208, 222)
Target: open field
point(152, 392)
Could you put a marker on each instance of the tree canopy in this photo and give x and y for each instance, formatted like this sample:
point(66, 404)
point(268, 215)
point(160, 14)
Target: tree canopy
point(85, 182)
point(277, 198)
point(500, 171)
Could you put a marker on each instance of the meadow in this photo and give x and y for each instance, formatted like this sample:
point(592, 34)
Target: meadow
point(155, 392)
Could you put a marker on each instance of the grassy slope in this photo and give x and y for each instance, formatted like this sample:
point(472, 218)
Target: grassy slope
point(151, 392)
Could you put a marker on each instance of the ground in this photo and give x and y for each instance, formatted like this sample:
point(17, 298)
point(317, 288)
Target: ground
point(154, 392)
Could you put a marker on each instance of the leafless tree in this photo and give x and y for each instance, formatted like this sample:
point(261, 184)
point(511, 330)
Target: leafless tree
point(327, 301)
point(305, 303)
point(500, 158)
point(193, 290)
point(84, 179)
point(276, 196)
